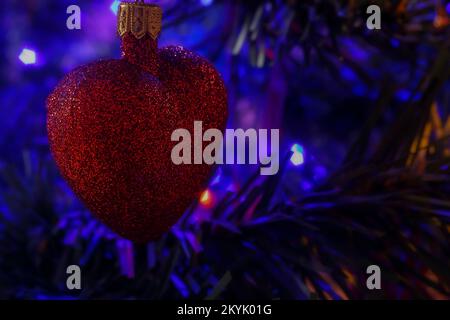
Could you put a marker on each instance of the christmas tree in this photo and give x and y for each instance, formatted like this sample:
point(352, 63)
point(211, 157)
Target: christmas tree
point(364, 178)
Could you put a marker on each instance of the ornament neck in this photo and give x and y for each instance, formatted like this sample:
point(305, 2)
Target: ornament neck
point(141, 52)
point(139, 25)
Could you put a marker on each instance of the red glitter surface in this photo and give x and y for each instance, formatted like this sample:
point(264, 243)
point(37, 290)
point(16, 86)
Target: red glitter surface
point(110, 125)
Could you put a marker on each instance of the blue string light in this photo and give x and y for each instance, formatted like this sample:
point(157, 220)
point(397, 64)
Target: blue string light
point(297, 157)
point(206, 2)
point(27, 56)
point(115, 6)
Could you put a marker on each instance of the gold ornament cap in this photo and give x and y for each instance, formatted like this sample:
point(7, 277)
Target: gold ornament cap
point(139, 18)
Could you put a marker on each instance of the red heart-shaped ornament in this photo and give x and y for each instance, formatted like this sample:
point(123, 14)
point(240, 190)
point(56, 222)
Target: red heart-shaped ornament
point(110, 125)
